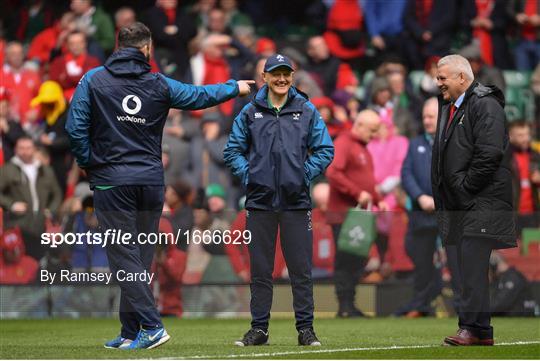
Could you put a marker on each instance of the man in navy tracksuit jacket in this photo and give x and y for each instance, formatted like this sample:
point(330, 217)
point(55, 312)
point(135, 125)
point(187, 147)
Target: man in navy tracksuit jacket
point(422, 232)
point(115, 125)
point(278, 145)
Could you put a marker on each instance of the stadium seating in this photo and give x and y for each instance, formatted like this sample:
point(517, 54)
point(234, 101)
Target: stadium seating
point(529, 235)
point(415, 77)
point(519, 98)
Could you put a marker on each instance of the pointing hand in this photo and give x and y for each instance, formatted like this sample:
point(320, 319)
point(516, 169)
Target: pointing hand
point(245, 87)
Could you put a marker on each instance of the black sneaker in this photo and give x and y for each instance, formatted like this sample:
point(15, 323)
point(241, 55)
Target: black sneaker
point(307, 337)
point(353, 313)
point(253, 337)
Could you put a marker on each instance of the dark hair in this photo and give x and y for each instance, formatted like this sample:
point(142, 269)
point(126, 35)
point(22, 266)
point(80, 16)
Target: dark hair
point(519, 124)
point(25, 137)
point(135, 35)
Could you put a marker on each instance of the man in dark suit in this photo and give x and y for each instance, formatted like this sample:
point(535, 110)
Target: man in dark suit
point(472, 188)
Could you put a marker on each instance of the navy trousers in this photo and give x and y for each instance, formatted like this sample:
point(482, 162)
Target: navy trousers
point(297, 244)
point(420, 246)
point(133, 209)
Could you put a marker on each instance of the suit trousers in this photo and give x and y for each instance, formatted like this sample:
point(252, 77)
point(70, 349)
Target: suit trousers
point(473, 264)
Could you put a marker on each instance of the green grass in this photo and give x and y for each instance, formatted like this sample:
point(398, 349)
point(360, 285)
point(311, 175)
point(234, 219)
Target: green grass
point(79, 339)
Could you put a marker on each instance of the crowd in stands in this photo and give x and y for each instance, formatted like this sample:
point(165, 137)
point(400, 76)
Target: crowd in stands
point(349, 56)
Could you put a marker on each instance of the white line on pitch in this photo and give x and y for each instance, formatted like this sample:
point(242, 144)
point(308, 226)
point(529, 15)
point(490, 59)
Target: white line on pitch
point(285, 353)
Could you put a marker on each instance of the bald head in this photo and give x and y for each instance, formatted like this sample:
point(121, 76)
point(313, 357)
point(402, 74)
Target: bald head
point(429, 115)
point(366, 125)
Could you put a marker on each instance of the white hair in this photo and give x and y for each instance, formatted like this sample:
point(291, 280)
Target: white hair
point(431, 100)
point(458, 64)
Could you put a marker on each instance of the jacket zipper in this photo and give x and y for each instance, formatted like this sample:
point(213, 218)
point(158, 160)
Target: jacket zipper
point(278, 162)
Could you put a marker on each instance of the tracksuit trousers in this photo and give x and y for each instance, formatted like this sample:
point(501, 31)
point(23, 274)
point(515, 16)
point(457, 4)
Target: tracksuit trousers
point(297, 244)
point(133, 209)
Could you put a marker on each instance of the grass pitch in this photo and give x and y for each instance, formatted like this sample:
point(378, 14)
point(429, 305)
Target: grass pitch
point(377, 338)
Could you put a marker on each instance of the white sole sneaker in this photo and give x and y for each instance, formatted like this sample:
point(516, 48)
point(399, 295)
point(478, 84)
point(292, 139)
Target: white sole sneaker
point(241, 344)
point(160, 342)
point(122, 346)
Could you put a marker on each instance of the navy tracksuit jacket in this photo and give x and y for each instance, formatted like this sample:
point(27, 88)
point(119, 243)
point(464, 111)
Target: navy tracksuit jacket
point(115, 125)
point(270, 152)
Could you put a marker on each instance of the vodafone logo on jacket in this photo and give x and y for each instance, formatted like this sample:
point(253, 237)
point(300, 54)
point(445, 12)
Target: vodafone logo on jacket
point(127, 106)
point(138, 104)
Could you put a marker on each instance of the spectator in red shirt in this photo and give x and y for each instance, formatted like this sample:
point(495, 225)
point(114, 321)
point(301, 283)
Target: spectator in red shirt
point(69, 68)
point(16, 267)
point(335, 117)
point(526, 175)
point(488, 22)
point(352, 182)
point(344, 34)
point(265, 47)
point(51, 38)
point(211, 66)
point(23, 83)
point(2, 48)
point(527, 16)
point(323, 239)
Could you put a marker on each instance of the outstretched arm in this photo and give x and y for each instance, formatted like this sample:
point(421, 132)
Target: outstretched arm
point(191, 97)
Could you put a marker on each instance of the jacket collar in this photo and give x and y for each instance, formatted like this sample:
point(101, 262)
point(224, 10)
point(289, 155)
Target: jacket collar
point(19, 163)
point(445, 109)
point(127, 62)
point(294, 103)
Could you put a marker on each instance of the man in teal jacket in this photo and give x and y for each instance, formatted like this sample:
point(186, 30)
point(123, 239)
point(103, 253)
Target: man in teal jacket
point(278, 145)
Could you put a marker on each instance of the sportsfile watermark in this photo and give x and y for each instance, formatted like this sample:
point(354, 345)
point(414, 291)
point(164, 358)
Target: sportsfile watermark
point(120, 237)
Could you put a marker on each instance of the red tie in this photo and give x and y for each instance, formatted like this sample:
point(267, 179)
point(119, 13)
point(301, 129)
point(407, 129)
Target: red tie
point(452, 111)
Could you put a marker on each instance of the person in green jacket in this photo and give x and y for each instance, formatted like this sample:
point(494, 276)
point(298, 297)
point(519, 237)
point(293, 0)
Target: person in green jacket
point(29, 192)
point(95, 22)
